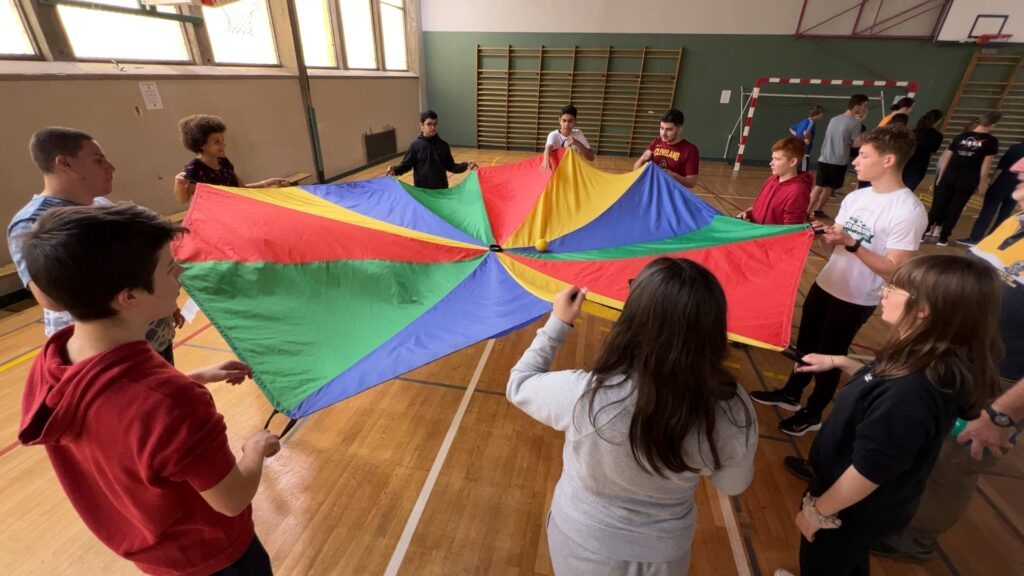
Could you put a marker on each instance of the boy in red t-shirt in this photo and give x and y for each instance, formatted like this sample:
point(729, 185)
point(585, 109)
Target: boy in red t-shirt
point(670, 152)
point(138, 447)
point(787, 192)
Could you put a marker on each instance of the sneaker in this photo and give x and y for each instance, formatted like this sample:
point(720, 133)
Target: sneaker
point(966, 242)
point(935, 231)
point(783, 572)
point(800, 423)
point(942, 243)
point(798, 467)
point(776, 398)
point(903, 546)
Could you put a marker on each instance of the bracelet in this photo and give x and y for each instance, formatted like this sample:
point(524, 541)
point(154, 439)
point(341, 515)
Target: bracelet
point(810, 511)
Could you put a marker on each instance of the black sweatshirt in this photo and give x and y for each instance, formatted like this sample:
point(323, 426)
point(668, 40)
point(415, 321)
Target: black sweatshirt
point(430, 159)
point(891, 432)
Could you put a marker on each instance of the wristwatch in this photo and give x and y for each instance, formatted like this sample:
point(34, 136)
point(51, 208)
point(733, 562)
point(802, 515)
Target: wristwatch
point(855, 247)
point(998, 418)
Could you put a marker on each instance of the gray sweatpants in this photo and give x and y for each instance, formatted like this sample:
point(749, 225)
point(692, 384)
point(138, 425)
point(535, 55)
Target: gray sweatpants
point(570, 559)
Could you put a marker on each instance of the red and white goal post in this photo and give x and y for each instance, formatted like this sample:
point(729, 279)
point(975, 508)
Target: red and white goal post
point(910, 86)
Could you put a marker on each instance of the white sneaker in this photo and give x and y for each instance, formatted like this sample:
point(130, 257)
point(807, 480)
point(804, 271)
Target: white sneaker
point(783, 572)
point(936, 231)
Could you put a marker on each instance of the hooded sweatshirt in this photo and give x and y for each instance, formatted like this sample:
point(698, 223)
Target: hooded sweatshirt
point(430, 159)
point(133, 442)
point(783, 202)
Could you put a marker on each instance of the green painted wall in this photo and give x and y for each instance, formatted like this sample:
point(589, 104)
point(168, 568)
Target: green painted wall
point(712, 63)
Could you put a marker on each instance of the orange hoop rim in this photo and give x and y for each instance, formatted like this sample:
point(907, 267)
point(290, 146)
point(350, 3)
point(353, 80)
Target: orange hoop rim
point(986, 38)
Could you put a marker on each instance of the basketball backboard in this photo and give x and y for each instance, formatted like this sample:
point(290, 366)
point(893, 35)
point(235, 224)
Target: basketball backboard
point(984, 20)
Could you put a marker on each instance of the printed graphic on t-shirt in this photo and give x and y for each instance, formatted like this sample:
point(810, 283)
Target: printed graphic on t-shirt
point(665, 154)
point(857, 228)
point(969, 146)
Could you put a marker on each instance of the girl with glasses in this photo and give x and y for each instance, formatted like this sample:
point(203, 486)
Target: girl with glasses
point(872, 457)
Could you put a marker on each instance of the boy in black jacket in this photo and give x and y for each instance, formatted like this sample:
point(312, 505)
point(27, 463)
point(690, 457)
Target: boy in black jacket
point(429, 157)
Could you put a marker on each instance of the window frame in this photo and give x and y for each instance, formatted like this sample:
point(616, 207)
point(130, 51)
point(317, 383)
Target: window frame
point(23, 13)
point(189, 49)
point(51, 45)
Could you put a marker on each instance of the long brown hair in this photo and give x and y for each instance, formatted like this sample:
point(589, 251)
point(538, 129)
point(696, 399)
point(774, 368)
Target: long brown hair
point(949, 327)
point(671, 342)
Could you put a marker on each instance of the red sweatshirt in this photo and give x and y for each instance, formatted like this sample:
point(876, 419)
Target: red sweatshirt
point(133, 442)
point(783, 202)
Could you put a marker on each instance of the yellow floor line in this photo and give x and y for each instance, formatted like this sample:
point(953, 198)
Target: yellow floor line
point(12, 363)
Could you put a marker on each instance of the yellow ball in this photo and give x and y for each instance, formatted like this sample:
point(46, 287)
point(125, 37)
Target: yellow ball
point(541, 245)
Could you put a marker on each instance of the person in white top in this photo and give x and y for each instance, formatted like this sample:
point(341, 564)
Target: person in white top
point(877, 229)
point(659, 410)
point(567, 136)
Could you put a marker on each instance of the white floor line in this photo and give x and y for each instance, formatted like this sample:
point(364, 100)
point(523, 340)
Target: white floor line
point(735, 540)
point(428, 486)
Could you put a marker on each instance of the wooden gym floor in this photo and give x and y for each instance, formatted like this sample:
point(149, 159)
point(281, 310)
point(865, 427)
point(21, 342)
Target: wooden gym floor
point(435, 473)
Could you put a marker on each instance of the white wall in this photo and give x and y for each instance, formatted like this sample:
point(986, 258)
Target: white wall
point(267, 134)
point(615, 16)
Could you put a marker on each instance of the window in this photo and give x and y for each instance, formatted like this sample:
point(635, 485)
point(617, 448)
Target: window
point(357, 30)
point(240, 33)
point(315, 30)
point(392, 29)
point(98, 35)
point(14, 38)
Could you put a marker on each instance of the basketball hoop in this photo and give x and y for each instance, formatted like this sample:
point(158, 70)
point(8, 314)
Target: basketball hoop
point(238, 16)
point(983, 39)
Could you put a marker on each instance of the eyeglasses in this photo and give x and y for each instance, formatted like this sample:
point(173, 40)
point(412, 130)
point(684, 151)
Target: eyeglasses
point(889, 287)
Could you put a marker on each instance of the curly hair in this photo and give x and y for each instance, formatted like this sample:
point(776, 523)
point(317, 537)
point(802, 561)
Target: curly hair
point(197, 129)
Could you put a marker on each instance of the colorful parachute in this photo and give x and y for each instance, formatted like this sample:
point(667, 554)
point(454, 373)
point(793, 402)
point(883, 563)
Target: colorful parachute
point(328, 290)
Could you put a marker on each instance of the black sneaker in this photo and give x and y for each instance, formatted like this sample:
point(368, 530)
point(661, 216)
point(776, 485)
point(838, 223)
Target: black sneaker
point(903, 546)
point(966, 241)
point(799, 467)
point(776, 398)
point(800, 423)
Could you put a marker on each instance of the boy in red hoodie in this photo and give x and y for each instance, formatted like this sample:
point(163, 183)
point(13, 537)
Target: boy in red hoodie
point(138, 447)
point(785, 195)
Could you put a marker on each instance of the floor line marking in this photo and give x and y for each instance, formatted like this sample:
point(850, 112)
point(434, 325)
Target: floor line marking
point(435, 470)
point(739, 555)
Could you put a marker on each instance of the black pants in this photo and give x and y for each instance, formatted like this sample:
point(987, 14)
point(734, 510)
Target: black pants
point(827, 326)
point(838, 552)
point(951, 195)
point(255, 562)
point(999, 203)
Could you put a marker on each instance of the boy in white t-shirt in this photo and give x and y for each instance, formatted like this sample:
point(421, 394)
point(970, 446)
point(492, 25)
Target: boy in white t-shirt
point(877, 229)
point(567, 136)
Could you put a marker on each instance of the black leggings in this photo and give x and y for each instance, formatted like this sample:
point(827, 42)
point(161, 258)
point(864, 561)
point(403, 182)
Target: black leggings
point(827, 326)
point(255, 562)
point(951, 196)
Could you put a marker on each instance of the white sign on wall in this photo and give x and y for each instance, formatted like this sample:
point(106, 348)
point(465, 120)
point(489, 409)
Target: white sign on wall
point(151, 96)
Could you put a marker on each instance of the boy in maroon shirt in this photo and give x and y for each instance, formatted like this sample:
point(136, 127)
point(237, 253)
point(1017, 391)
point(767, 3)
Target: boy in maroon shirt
point(670, 152)
point(138, 447)
point(785, 195)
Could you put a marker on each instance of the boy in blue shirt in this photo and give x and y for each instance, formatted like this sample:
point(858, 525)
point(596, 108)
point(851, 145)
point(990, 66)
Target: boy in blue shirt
point(76, 172)
point(804, 129)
